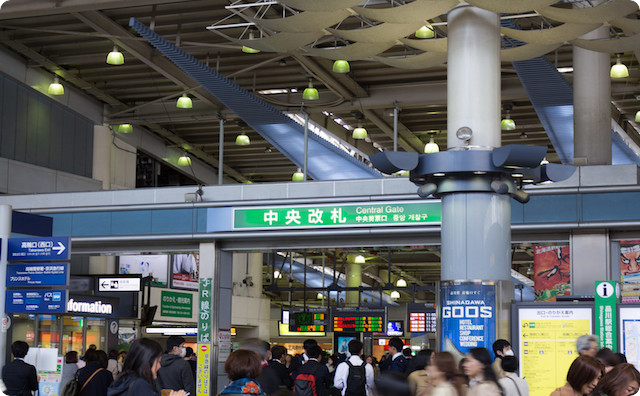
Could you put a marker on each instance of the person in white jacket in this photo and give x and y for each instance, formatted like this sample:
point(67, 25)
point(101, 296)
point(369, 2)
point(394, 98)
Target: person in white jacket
point(342, 371)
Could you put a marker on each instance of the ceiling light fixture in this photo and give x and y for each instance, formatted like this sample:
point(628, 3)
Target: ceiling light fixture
point(359, 259)
point(359, 133)
point(184, 102)
point(249, 50)
point(320, 296)
point(341, 66)
point(277, 274)
point(395, 295)
point(184, 160)
point(507, 123)
point(243, 140)
point(401, 282)
point(425, 32)
point(55, 88)
point(115, 57)
point(619, 70)
point(310, 93)
point(638, 116)
point(125, 128)
point(298, 176)
point(432, 146)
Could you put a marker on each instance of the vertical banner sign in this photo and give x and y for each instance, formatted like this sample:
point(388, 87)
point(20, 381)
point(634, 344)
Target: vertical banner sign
point(204, 370)
point(606, 322)
point(468, 316)
point(204, 318)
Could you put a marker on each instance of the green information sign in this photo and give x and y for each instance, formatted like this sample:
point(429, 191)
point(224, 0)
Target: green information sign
point(177, 305)
point(204, 317)
point(606, 298)
point(331, 216)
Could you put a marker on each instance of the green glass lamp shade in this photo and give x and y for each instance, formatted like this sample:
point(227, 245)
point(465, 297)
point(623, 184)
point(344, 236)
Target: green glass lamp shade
point(359, 133)
point(184, 102)
point(359, 259)
point(425, 32)
point(401, 283)
point(125, 128)
point(507, 124)
point(115, 57)
point(395, 295)
point(184, 160)
point(619, 71)
point(243, 140)
point(638, 116)
point(310, 94)
point(55, 88)
point(297, 176)
point(431, 147)
point(249, 50)
point(341, 66)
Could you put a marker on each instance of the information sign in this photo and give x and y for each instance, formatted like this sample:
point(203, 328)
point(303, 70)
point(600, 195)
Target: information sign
point(468, 316)
point(41, 274)
point(310, 319)
point(120, 284)
point(203, 383)
point(421, 317)
point(224, 345)
point(629, 331)
point(606, 298)
point(547, 343)
point(359, 320)
point(38, 249)
point(204, 315)
point(178, 305)
point(36, 301)
point(351, 215)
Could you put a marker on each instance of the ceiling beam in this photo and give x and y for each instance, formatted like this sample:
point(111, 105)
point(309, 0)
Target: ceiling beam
point(406, 139)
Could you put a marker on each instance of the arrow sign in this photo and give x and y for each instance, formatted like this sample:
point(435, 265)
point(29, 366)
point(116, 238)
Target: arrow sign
point(38, 249)
point(104, 285)
point(120, 284)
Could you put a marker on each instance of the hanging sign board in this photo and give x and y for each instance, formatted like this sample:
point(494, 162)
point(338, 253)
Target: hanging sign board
point(41, 274)
point(38, 249)
point(36, 301)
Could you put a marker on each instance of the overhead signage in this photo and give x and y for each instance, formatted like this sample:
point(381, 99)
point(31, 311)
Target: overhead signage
point(629, 332)
point(26, 275)
point(547, 343)
point(177, 305)
point(359, 320)
point(331, 216)
point(38, 249)
point(89, 307)
point(123, 284)
point(310, 319)
point(606, 299)
point(35, 301)
point(204, 309)
point(421, 317)
point(468, 315)
point(284, 331)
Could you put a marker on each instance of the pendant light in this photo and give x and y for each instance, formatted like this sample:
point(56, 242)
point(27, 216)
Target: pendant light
point(359, 133)
point(507, 123)
point(359, 259)
point(115, 57)
point(395, 295)
point(425, 32)
point(125, 128)
point(184, 102)
point(298, 176)
point(249, 50)
point(243, 140)
point(401, 282)
point(55, 88)
point(638, 116)
point(184, 160)
point(619, 70)
point(320, 296)
point(310, 93)
point(341, 66)
point(432, 146)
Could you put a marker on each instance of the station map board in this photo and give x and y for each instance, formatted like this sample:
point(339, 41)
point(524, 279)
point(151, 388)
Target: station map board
point(547, 342)
point(366, 320)
point(629, 332)
point(421, 318)
point(309, 319)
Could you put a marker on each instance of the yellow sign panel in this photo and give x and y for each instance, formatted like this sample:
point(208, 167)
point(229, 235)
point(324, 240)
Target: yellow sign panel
point(548, 345)
point(203, 375)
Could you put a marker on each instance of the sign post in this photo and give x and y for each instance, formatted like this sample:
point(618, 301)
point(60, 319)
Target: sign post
point(606, 299)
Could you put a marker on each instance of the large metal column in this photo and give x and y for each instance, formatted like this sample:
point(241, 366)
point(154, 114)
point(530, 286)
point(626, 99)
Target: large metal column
point(5, 233)
point(476, 227)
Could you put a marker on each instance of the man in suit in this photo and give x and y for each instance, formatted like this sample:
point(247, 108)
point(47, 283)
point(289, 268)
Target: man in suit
point(278, 353)
point(396, 361)
point(20, 377)
point(316, 369)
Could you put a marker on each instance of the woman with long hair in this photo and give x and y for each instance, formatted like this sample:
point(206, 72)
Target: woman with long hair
point(482, 379)
point(582, 377)
point(139, 371)
point(444, 376)
point(622, 380)
point(243, 367)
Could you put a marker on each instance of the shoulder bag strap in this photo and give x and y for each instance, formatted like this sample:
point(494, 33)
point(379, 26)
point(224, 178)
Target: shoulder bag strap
point(516, 385)
point(90, 378)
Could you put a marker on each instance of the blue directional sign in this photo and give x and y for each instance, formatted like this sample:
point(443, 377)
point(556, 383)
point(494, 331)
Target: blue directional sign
point(38, 249)
point(37, 274)
point(36, 301)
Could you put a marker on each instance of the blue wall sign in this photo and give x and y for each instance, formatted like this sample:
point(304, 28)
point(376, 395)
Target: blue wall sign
point(38, 274)
point(36, 301)
point(40, 249)
point(468, 316)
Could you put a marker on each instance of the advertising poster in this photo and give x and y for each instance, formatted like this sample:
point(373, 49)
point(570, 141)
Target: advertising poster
point(630, 271)
point(547, 344)
point(551, 266)
point(145, 265)
point(629, 333)
point(468, 316)
point(184, 270)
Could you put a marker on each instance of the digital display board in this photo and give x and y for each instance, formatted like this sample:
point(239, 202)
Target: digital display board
point(421, 317)
point(310, 319)
point(359, 320)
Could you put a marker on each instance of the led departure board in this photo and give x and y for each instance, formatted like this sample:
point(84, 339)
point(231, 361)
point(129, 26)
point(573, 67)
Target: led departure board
point(310, 319)
point(359, 320)
point(421, 317)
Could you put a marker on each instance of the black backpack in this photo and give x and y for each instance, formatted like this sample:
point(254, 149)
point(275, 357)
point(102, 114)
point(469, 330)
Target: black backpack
point(356, 380)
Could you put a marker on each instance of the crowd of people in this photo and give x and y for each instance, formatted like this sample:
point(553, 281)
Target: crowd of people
point(259, 369)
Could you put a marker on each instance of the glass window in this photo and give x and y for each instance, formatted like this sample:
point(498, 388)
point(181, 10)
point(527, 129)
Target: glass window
point(72, 334)
point(97, 333)
point(24, 328)
point(48, 331)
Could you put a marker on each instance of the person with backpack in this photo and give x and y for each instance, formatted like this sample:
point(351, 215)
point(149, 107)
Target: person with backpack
point(313, 377)
point(353, 376)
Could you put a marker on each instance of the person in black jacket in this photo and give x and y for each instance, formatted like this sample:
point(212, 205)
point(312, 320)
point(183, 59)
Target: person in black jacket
point(19, 377)
point(396, 362)
point(139, 371)
point(317, 369)
point(277, 362)
point(94, 378)
point(175, 372)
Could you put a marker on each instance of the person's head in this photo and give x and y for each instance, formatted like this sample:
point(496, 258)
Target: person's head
point(369, 359)
point(406, 352)
point(278, 352)
point(243, 363)
point(71, 357)
point(478, 364)
point(308, 343)
point(189, 352)
point(113, 354)
point(314, 352)
point(355, 347)
point(19, 349)
point(622, 380)
point(584, 374)
point(143, 360)
point(443, 367)
point(587, 345)
point(422, 359)
point(103, 359)
point(395, 345)
point(287, 358)
point(91, 355)
point(261, 348)
point(502, 348)
point(93, 346)
point(175, 345)
point(509, 364)
point(609, 359)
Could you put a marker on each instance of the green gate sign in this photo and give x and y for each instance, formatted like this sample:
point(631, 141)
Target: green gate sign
point(332, 216)
point(177, 305)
